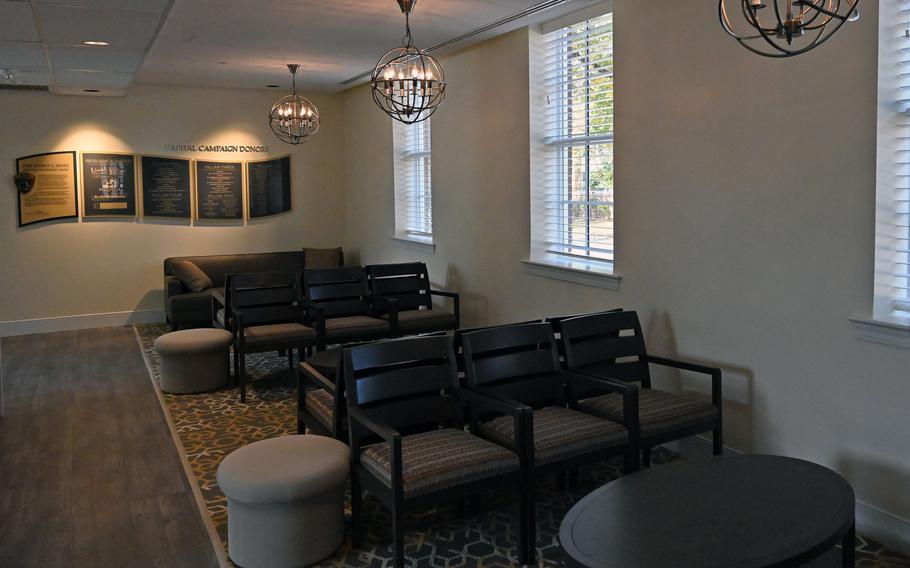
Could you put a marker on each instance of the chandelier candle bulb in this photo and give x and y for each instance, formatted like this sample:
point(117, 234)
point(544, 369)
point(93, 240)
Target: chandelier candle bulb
point(407, 83)
point(294, 119)
point(791, 28)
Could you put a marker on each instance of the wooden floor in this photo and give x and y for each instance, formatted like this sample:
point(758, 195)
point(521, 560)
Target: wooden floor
point(89, 474)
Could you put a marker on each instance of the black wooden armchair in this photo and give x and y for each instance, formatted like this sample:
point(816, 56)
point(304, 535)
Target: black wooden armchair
point(519, 363)
point(267, 316)
point(409, 285)
point(611, 346)
point(406, 393)
point(340, 307)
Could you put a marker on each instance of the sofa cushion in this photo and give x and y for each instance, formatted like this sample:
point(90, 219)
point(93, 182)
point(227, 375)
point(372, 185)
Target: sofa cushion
point(658, 411)
point(323, 257)
point(560, 433)
point(436, 460)
point(191, 275)
point(278, 333)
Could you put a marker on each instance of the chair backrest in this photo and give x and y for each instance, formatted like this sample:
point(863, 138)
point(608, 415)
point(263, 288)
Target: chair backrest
point(405, 383)
point(266, 297)
point(609, 343)
point(518, 362)
point(408, 283)
point(458, 335)
point(554, 321)
point(339, 292)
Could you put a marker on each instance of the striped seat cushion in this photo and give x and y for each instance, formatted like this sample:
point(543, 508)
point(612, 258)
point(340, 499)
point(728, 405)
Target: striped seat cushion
point(559, 433)
point(319, 403)
point(439, 459)
point(658, 411)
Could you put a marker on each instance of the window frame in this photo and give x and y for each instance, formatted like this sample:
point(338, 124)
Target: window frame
point(544, 257)
point(413, 186)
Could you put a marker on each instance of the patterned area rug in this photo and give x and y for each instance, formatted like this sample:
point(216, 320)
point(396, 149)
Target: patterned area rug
point(211, 425)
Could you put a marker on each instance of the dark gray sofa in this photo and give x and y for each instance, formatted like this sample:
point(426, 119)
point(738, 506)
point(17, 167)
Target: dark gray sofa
point(194, 309)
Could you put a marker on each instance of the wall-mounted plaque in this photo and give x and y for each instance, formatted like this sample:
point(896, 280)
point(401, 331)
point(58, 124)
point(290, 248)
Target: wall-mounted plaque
point(52, 194)
point(269, 186)
point(219, 190)
point(108, 185)
point(165, 187)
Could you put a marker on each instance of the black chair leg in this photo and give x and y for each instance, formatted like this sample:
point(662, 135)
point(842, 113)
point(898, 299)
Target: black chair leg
point(718, 441)
point(356, 497)
point(527, 538)
point(630, 461)
point(398, 535)
point(646, 457)
point(561, 481)
point(291, 358)
point(242, 376)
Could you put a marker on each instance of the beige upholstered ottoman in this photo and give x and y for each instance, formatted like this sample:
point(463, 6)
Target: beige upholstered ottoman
point(194, 360)
point(285, 500)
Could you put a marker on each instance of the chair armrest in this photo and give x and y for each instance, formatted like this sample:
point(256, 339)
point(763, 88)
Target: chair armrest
point(314, 377)
point(173, 286)
point(384, 431)
point(628, 391)
point(237, 317)
point(522, 419)
point(456, 302)
point(386, 305)
point(715, 373)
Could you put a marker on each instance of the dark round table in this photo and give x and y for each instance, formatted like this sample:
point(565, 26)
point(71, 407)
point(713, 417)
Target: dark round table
point(739, 511)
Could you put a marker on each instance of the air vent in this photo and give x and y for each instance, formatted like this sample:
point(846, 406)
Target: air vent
point(24, 88)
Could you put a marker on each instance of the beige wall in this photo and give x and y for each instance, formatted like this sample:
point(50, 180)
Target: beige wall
point(97, 267)
point(745, 204)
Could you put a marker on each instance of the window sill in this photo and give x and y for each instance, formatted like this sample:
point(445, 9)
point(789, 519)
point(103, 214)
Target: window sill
point(577, 273)
point(426, 246)
point(892, 331)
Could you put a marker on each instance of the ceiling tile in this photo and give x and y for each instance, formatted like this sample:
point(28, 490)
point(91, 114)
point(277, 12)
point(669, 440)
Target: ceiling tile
point(149, 6)
point(17, 22)
point(95, 58)
point(93, 80)
point(22, 55)
point(64, 25)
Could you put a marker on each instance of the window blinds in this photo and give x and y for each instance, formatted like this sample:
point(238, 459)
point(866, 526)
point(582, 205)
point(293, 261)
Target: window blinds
point(578, 132)
point(893, 227)
point(413, 193)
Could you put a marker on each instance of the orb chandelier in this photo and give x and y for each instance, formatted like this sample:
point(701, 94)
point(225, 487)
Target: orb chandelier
point(787, 27)
point(294, 119)
point(407, 83)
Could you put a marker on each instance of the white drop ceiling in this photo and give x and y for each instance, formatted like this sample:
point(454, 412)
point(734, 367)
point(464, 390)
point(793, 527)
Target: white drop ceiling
point(236, 44)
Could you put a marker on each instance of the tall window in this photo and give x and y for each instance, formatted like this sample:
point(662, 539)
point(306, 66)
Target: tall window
point(892, 251)
point(576, 178)
point(413, 192)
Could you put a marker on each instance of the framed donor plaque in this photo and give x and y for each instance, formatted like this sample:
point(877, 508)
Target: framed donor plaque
point(219, 190)
point(108, 185)
point(165, 187)
point(47, 187)
point(268, 186)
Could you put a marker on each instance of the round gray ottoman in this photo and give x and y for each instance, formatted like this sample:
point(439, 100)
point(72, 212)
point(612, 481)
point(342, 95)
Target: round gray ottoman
point(194, 360)
point(285, 500)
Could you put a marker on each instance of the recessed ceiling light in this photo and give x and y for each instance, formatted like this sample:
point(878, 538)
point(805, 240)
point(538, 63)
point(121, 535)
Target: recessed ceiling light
point(272, 86)
point(222, 63)
point(91, 91)
point(95, 43)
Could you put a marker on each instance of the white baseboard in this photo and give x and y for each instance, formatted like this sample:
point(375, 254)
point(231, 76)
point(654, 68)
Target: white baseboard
point(83, 321)
point(881, 526)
